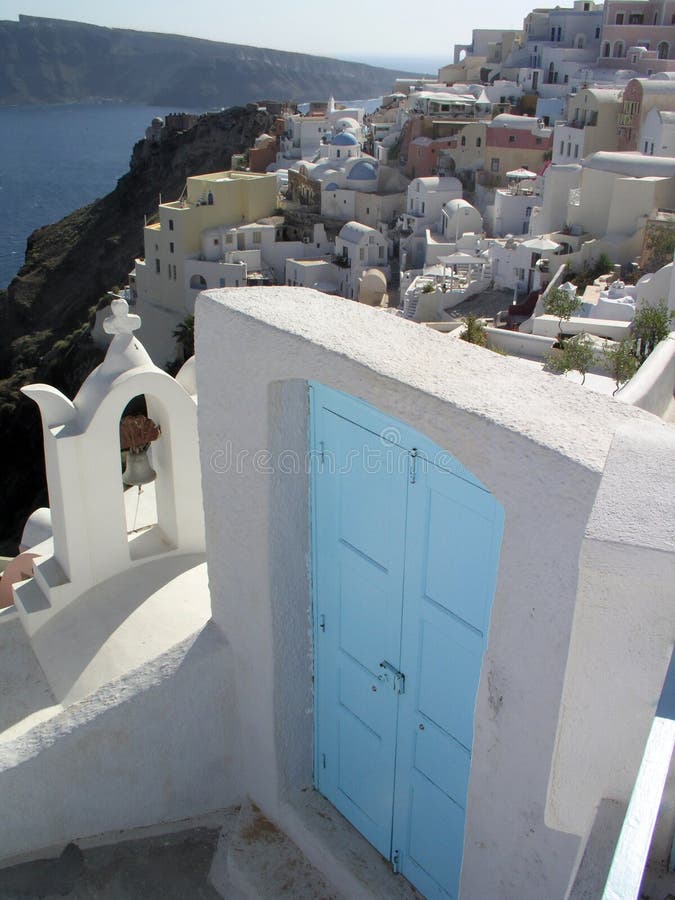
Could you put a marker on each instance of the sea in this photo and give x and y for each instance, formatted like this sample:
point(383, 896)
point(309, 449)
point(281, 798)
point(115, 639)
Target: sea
point(55, 159)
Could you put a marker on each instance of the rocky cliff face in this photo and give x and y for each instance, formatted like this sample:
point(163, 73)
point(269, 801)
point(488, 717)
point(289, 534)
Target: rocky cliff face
point(46, 310)
point(54, 61)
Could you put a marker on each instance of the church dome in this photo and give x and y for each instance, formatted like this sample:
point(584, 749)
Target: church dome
point(364, 170)
point(344, 139)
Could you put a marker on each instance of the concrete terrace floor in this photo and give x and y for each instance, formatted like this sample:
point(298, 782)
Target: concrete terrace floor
point(163, 867)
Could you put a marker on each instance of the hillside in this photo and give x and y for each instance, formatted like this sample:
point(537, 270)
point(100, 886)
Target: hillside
point(45, 311)
point(55, 61)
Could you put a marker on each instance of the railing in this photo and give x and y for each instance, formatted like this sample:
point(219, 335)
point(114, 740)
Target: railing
point(621, 878)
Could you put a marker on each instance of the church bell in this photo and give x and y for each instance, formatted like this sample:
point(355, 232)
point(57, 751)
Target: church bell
point(138, 469)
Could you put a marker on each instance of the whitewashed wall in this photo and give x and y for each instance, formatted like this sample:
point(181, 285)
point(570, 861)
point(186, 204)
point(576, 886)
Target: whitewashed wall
point(497, 419)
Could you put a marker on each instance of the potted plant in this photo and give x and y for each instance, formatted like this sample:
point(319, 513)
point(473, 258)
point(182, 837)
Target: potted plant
point(136, 435)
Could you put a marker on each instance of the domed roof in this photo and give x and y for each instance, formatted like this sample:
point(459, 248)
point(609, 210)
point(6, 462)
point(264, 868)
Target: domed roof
point(347, 123)
point(332, 187)
point(344, 139)
point(362, 171)
point(158, 120)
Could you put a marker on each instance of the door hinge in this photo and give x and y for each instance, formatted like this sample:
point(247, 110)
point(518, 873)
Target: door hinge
point(322, 622)
point(323, 760)
point(395, 862)
point(322, 453)
point(412, 465)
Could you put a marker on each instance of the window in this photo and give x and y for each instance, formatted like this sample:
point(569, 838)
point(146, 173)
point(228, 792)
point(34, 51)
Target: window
point(157, 266)
point(171, 247)
point(380, 252)
point(371, 238)
point(576, 151)
point(362, 253)
point(170, 224)
point(494, 164)
point(619, 18)
point(606, 49)
point(463, 141)
point(229, 238)
point(538, 141)
point(569, 148)
point(257, 237)
point(512, 139)
point(597, 32)
point(662, 50)
point(478, 142)
point(528, 212)
point(215, 242)
point(618, 48)
point(635, 19)
point(367, 213)
point(174, 273)
point(222, 282)
point(422, 207)
point(562, 147)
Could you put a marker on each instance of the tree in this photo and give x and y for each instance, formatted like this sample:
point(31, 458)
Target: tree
point(651, 325)
point(474, 333)
point(185, 336)
point(577, 355)
point(659, 247)
point(563, 305)
point(621, 361)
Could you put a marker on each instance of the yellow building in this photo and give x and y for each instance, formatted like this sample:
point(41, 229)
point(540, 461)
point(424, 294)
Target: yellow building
point(162, 283)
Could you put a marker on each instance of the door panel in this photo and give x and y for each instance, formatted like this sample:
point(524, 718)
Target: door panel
point(359, 531)
point(452, 543)
point(405, 561)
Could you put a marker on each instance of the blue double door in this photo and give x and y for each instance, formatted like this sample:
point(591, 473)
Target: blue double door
point(405, 553)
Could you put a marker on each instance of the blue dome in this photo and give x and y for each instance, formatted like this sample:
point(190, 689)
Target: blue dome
point(362, 171)
point(332, 187)
point(344, 139)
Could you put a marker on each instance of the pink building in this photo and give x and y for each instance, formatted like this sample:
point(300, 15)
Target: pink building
point(639, 97)
point(638, 35)
point(514, 142)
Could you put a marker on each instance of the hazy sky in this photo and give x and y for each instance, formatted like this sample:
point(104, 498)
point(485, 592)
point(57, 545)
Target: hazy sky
point(362, 29)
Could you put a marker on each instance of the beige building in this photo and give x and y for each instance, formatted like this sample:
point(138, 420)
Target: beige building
point(618, 191)
point(165, 282)
point(590, 125)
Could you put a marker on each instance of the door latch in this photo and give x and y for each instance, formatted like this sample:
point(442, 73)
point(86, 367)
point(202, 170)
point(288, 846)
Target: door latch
point(397, 678)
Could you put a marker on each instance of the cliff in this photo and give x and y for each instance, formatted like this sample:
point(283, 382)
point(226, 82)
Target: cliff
point(46, 310)
point(54, 61)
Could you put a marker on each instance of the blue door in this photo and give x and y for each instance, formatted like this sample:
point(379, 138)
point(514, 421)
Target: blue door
point(405, 552)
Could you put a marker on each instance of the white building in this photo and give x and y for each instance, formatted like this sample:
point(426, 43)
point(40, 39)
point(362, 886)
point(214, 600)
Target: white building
point(657, 134)
point(357, 248)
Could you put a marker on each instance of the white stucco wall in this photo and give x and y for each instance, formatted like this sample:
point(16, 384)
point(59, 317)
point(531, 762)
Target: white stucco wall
point(153, 747)
point(496, 418)
point(623, 629)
